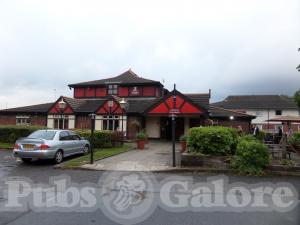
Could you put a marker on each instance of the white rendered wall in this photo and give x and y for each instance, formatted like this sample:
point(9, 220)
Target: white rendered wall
point(153, 127)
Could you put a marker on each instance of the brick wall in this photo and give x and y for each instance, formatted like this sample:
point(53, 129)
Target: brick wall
point(235, 123)
point(7, 119)
point(285, 127)
point(39, 120)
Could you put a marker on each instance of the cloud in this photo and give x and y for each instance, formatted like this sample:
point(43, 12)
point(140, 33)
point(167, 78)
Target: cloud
point(232, 47)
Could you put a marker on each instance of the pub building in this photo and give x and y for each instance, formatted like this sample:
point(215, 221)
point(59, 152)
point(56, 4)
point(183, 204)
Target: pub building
point(127, 103)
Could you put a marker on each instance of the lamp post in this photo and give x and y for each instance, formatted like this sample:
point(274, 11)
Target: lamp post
point(93, 117)
point(110, 105)
point(62, 105)
point(173, 116)
point(124, 106)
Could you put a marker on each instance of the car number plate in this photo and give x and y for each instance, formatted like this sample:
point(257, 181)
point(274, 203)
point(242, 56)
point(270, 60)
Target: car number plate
point(28, 147)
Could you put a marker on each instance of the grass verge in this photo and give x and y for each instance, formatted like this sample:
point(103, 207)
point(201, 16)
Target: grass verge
point(98, 154)
point(6, 146)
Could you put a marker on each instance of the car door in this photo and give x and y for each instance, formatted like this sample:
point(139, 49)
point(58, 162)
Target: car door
point(76, 143)
point(65, 142)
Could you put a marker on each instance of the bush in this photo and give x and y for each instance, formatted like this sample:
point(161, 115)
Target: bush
point(261, 136)
point(235, 139)
point(248, 137)
point(102, 139)
point(294, 139)
point(183, 138)
point(141, 135)
point(213, 140)
point(251, 157)
point(9, 134)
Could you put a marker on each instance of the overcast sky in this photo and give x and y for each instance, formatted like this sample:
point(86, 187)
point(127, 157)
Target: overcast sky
point(230, 46)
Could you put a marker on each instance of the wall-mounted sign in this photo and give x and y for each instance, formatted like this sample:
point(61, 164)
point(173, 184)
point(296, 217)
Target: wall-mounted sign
point(135, 91)
point(174, 111)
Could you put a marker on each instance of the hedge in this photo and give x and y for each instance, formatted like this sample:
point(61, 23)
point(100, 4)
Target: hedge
point(251, 157)
point(102, 139)
point(214, 140)
point(9, 134)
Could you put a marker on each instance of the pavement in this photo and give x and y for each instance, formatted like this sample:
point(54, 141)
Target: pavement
point(41, 171)
point(157, 156)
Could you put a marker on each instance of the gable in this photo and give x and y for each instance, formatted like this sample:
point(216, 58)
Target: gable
point(183, 105)
point(56, 110)
point(105, 109)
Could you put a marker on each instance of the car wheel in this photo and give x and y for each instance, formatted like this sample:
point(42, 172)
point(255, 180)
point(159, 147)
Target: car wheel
point(26, 160)
point(59, 157)
point(86, 150)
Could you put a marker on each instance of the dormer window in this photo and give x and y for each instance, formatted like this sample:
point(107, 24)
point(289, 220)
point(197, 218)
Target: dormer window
point(112, 89)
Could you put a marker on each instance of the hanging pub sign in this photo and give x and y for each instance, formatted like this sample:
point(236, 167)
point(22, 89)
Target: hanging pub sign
point(135, 91)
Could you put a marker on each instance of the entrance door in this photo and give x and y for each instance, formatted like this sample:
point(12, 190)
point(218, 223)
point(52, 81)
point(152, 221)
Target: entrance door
point(166, 128)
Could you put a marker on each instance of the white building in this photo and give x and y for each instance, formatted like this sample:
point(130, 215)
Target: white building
point(264, 107)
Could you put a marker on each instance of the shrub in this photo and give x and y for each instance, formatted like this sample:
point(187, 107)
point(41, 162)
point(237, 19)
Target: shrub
point(9, 134)
point(294, 139)
point(213, 140)
point(261, 136)
point(248, 137)
point(251, 157)
point(102, 139)
point(183, 138)
point(235, 139)
point(141, 135)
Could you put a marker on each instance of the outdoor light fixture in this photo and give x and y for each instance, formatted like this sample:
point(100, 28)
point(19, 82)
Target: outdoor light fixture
point(62, 104)
point(123, 103)
point(231, 117)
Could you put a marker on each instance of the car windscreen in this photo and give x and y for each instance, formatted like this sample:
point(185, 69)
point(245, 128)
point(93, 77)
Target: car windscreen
point(44, 134)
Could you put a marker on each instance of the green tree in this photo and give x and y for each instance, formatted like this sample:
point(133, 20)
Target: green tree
point(297, 98)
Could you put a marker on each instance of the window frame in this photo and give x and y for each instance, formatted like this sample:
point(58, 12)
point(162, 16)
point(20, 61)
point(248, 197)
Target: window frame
point(258, 113)
point(112, 89)
point(277, 126)
point(66, 138)
point(111, 123)
point(23, 120)
point(278, 114)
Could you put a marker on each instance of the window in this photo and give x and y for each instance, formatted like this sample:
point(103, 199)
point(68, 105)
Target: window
point(73, 136)
point(44, 134)
point(278, 112)
point(64, 136)
point(111, 123)
point(23, 120)
point(112, 89)
point(258, 113)
point(277, 127)
point(61, 123)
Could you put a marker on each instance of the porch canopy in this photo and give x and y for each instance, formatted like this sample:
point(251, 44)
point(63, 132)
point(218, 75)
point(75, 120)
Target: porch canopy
point(175, 103)
point(286, 119)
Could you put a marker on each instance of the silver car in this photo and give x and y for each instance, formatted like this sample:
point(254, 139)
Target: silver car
point(50, 144)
